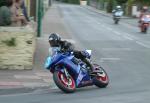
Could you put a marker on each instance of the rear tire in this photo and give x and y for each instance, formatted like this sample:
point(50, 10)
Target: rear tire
point(144, 29)
point(116, 21)
point(68, 86)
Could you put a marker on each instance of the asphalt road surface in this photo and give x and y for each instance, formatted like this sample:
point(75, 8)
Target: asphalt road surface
point(121, 49)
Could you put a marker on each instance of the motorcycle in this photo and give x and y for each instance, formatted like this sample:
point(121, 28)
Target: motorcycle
point(117, 16)
point(145, 21)
point(70, 73)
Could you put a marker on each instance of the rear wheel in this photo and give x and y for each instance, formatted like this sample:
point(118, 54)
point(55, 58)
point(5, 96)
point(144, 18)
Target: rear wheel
point(66, 84)
point(116, 20)
point(144, 29)
point(101, 79)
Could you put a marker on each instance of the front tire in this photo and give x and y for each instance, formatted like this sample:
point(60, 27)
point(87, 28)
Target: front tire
point(66, 85)
point(101, 80)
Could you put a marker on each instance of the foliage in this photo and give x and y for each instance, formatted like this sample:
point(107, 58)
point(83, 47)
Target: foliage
point(2, 2)
point(129, 6)
point(71, 1)
point(11, 42)
point(101, 3)
point(111, 4)
point(120, 2)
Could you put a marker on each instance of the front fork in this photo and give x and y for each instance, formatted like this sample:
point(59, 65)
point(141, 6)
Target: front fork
point(66, 74)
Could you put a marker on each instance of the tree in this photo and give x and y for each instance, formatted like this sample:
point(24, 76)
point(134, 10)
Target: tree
point(111, 4)
point(2, 2)
point(71, 1)
point(120, 2)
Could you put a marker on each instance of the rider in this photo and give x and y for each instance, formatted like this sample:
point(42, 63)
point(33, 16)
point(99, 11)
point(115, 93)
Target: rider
point(117, 9)
point(143, 12)
point(57, 44)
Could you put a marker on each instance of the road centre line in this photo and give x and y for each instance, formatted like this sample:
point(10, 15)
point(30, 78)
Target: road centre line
point(116, 32)
point(116, 49)
point(128, 25)
point(127, 37)
point(109, 59)
point(26, 77)
point(109, 28)
point(142, 44)
point(131, 36)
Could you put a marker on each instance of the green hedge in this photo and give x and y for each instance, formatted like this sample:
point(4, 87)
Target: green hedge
point(110, 6)
point(71, 1)
point(2, 2)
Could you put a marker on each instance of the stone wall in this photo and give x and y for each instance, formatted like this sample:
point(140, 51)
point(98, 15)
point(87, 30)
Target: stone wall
point(20, 55)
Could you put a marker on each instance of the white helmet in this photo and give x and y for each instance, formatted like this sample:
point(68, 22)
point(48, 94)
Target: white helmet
point(118, 7)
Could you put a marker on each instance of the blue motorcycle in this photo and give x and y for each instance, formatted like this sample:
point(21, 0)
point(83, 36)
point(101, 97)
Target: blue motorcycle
point(70, 73)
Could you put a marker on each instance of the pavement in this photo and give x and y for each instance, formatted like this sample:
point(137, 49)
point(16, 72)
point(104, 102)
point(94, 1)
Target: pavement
point(40, 77)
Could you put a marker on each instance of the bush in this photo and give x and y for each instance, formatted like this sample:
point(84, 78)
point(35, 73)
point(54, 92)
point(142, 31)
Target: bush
point(111, 4)
point(11, 42)
point(72, 1)
point(2, 2)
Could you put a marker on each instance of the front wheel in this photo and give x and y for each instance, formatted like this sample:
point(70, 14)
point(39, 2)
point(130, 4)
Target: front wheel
point(101, 80)
point(66, 84)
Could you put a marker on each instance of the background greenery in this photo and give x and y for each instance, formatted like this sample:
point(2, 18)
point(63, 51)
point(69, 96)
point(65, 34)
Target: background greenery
point(2, 2)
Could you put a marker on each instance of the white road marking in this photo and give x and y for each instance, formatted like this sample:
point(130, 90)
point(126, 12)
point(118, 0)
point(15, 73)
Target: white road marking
point(127, 37)
point(109, 28)
point(26, 77)
point(4, 83)
point(14, 95)
point(129, 25)
point(54, 87)
point(35, 84)
point(109, 59)
point(43, 74)
point(47, 80)
point(142, 44)
point(116, 49)
point(118, 33)
point(131, 36)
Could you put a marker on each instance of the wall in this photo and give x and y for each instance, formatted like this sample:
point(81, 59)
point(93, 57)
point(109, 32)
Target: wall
point(135, 12)
point(19, 56)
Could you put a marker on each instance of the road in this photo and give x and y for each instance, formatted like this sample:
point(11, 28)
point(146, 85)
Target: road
point(121, 49)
